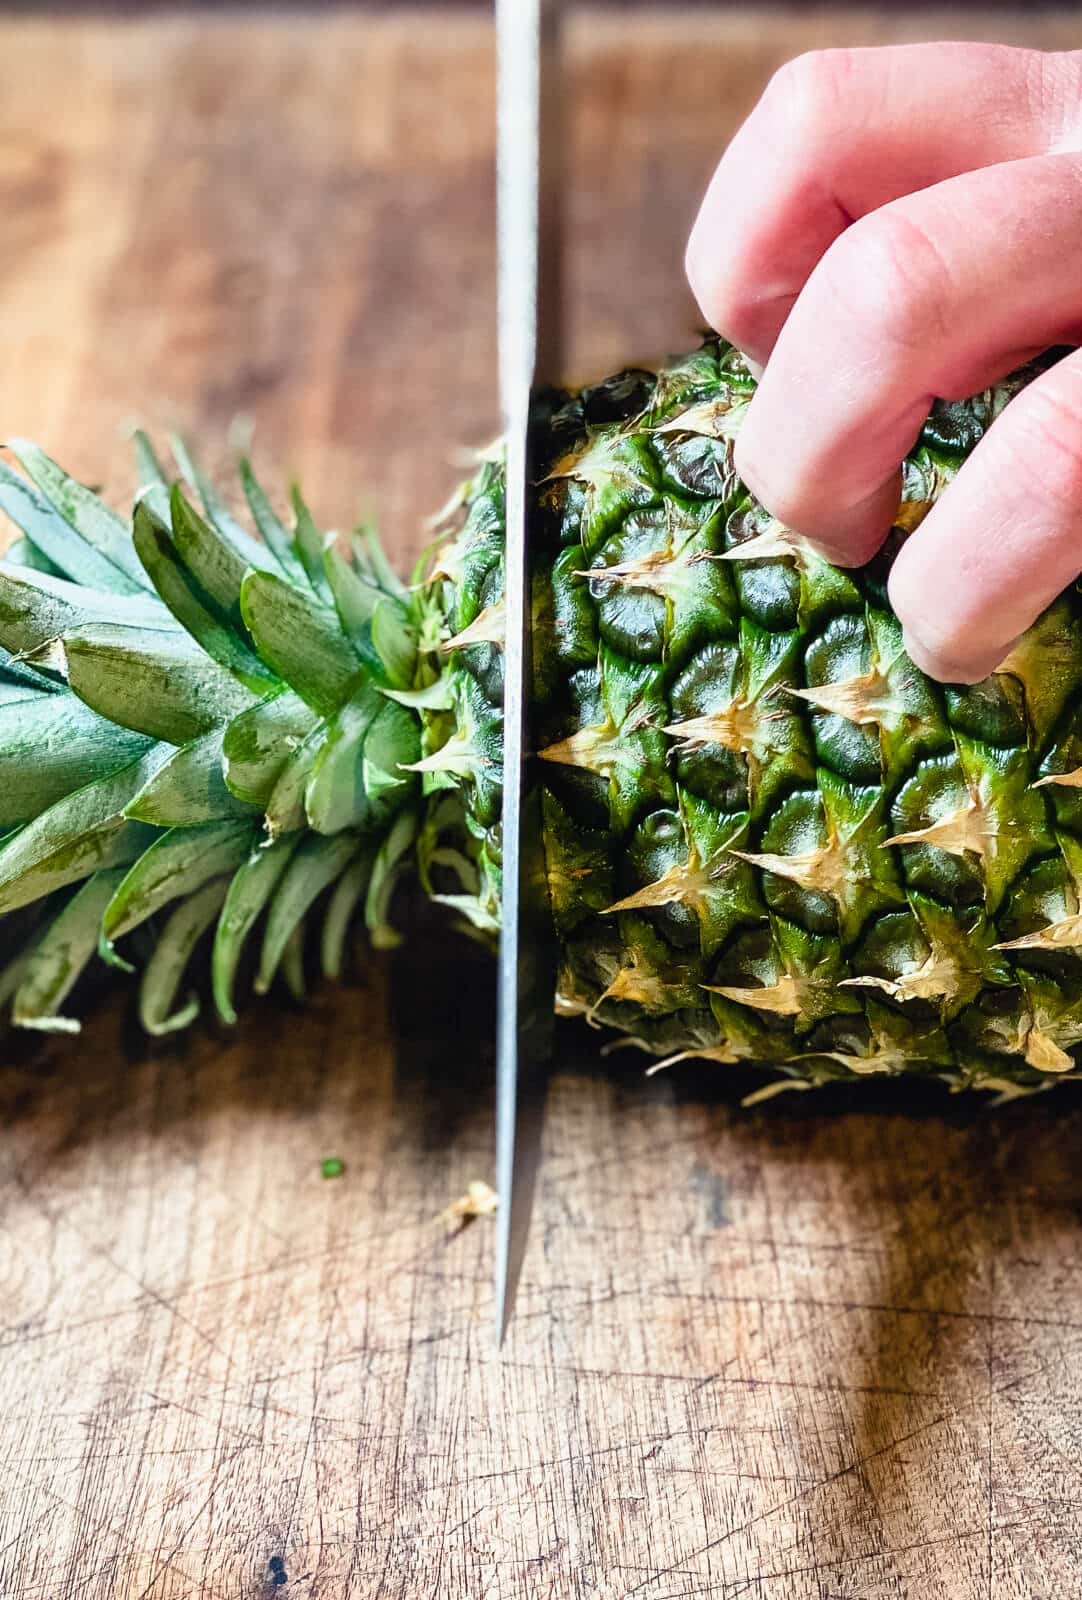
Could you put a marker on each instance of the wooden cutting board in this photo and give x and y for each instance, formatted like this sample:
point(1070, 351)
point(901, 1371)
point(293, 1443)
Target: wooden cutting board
point(831, 1347)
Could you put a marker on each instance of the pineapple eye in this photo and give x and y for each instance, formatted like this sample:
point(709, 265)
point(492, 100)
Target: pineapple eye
point(661, 828)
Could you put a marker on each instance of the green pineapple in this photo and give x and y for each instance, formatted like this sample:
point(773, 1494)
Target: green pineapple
point(769, 837)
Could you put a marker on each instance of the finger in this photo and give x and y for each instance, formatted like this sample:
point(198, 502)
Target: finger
point(839, 133)
point(1004, 540)
point(931, 295)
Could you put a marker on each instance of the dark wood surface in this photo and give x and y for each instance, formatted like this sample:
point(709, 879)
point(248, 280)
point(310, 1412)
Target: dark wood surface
point(830, 1347)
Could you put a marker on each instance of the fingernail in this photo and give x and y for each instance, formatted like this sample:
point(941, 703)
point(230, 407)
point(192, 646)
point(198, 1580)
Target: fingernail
point(944, 669)
point(756, 368)
point(837, 555)
point(846, 537)
point(927, 661)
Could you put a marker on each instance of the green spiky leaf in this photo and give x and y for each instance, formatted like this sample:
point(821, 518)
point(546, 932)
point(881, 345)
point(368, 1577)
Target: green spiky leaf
point(395, 642)
point(232, 535)
point(271, 531)
point(251, 888)
point(57, 540)
point(85, 832)
point(189, 788)
point(178, 863)
point(301, 639)
point(150, 470)
point(52, 744)
point(345, 898)
point(61, 955)
point(216, 566)
point(101, 529)
point(169, 961)
point(307, 545)
point(285, 806)
point(258, 743)
point(355, 599)
point(157, 683)
point(21, 553)
point(315, 866)
point(37, 610)
point(334, 796)
point(202, 621)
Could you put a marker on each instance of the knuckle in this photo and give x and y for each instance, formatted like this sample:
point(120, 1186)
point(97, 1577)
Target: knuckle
point(775, 485)
point(810, 93)
point(701, 266)
point(891, 281)
point(789, 501)
point(940, 630)
point(728, 303)
point(1051, 92)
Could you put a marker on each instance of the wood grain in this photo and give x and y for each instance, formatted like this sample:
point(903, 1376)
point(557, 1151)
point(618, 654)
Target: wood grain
point(829, 1348)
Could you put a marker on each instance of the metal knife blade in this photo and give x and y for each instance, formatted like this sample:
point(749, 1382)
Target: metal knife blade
point(529, 235)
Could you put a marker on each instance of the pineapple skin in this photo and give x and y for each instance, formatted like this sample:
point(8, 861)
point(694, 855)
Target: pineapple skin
point(769, 837)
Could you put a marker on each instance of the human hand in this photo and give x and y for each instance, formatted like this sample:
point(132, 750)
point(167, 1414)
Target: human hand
point(889, 226)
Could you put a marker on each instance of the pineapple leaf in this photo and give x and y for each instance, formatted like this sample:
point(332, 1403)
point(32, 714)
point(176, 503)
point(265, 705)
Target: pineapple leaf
point(251, 888)
point(11, 973)
point(307, 545)
point(189, 788)
point(52, 744)
point(22, 553)
point(271, 531)
point(157, 683)
point(343, 902)
point(102, 529)
point(438, 696)
point(284, 810)
point(178, 862)
point(355, 599)
point(316, 865)
point(166, 967)
point(110, 955)
point(385, 873)
point(61, 955)
point(258, 743)
point(292, 964)
point(150, 470)
point(470, 907)
point(334, 797)
point(216, 566)
point(18, 675)
point(392, 746)
point(395, 641)
point(370, 556)
point(57, 540)
point(37, 609)
point(80, 834)
point(251, 552)
point(301, 639)
point(170, 578)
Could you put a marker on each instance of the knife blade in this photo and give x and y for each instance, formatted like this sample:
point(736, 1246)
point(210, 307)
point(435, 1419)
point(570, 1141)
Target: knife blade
point(529, 242)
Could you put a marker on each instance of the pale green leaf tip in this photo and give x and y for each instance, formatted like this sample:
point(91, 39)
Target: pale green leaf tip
point(46, 1023)
point(224, 1007)
point(174, 1023)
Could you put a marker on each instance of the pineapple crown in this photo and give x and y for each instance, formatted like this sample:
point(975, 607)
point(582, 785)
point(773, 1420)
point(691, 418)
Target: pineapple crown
point(200, 728)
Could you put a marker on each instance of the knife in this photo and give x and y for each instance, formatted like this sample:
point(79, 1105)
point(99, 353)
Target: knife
point(529, 240)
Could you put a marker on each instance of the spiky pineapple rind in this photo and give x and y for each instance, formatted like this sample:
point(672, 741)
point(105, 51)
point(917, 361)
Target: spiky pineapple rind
point(770, 838)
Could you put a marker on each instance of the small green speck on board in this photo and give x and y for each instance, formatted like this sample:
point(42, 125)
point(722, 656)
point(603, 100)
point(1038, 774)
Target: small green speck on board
point(332, 1167)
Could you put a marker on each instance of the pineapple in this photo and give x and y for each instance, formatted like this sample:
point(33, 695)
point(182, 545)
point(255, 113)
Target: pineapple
point(769, 838)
